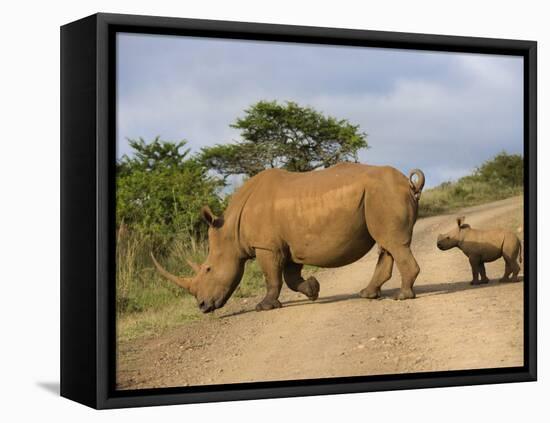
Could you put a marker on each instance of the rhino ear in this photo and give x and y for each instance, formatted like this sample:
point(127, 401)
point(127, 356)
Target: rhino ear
point(211, 218)
point(460, 220)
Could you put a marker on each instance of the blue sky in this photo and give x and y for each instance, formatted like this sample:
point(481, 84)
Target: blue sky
point(442, 112)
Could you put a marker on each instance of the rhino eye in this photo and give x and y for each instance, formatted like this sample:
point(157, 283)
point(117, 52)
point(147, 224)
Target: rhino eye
point(207, 269)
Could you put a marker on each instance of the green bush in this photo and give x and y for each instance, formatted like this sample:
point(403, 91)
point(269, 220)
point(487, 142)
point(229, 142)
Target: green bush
point(503, 170)
point(160, 192)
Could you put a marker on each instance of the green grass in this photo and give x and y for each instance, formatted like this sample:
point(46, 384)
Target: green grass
point(156, 320)
point(450, 196)
point(252, 282)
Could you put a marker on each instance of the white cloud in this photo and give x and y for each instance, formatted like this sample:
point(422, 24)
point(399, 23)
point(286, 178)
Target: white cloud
point(442, 112)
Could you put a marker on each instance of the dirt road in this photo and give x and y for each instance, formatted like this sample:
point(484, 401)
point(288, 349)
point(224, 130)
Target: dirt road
point(451, 325)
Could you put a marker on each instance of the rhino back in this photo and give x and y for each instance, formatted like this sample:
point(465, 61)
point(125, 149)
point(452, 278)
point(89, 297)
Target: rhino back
point(319, 216)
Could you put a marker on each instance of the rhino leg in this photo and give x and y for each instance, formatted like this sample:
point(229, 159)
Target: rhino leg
point(293, 277)
point(477, 265)
point(484, 278)
point(382, 273)
point(390, 224)
point(271, 265)
point(409, 269)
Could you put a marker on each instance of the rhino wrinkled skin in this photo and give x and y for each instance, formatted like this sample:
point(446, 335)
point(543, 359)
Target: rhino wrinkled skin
point(484, 246)
point(325, 218)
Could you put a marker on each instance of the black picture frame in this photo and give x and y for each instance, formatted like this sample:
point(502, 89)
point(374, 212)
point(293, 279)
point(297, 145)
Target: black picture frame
point(88, 90)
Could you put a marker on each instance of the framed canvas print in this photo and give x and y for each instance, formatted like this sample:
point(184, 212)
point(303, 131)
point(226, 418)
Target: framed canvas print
point(258, 211)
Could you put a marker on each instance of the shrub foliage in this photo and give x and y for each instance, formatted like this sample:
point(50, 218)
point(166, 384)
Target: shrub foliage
point(160, 190)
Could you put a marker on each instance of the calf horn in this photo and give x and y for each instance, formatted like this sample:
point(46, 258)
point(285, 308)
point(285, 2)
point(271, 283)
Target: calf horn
point(186, 283)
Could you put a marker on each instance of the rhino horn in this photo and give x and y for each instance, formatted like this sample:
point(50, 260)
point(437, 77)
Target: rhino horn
point(186, 283)
point(193, 265)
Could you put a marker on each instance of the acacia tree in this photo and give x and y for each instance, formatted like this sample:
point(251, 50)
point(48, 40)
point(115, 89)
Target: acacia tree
point(287, 136)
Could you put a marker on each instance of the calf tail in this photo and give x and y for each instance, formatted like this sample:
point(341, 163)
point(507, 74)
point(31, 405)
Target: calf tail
point(416, 186)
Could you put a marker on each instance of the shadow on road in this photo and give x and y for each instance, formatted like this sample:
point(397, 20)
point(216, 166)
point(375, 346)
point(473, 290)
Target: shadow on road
point(420, 290)
point(449, 288)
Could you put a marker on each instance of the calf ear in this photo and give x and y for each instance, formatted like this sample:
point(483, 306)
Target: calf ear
point(460, 220)
point(210, 217)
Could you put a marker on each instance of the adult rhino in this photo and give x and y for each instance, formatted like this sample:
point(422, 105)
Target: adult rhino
point(325, 218)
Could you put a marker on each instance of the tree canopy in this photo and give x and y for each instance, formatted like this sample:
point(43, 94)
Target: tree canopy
point(153, 156)
point(286, 136)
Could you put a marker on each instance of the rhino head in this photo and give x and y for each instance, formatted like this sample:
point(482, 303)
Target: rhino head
point(452, 238)
point(216, 278)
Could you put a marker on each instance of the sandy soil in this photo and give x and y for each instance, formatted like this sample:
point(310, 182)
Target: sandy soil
point(451, 325)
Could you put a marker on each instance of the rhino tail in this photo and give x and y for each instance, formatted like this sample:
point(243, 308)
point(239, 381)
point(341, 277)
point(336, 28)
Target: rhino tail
point(418, 184)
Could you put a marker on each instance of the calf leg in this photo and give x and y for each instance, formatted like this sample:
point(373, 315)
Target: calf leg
point(271, 265)
point(484, 278)
point(511, 251)
point(515, 271)
point(409, 269)
point(475, 262)
point(507, 271)
point(381, 274)
point(293, 277)
point(512, 267)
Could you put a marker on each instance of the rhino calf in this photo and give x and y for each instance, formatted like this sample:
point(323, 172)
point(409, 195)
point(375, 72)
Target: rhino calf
point(483, 247)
